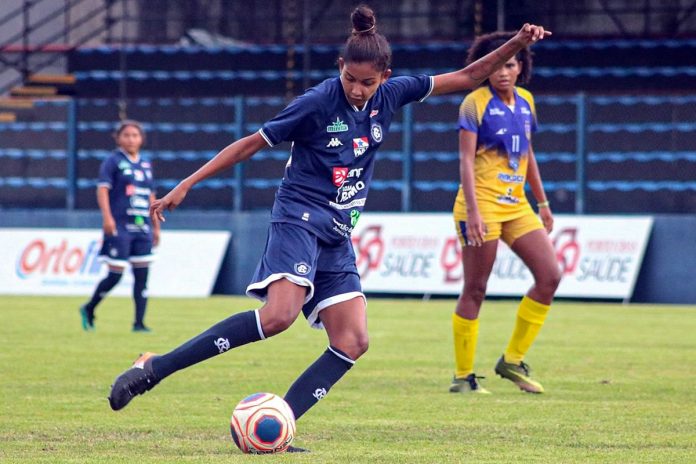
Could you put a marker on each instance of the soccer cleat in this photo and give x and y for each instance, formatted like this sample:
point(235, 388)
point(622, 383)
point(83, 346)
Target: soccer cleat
point(468, 384)
point(296, 449)
point(138, 379)
point(141, 328)
point(87, 318)
point(519, 374)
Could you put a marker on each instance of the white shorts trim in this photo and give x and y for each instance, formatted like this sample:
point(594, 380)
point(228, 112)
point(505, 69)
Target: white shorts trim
point(113, 262)
point(314, 315)
point(142, 259)
point(301, 281)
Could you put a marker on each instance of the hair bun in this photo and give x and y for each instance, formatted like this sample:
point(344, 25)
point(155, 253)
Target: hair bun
point(364, 20)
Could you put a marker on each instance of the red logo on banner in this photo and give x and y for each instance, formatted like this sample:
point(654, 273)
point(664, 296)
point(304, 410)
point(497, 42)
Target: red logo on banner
point(567, 249)
point(369, 249)
point(339, 176)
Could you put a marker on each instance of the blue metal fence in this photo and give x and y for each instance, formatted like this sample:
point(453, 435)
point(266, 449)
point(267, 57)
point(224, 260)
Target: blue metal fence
point(642, 145)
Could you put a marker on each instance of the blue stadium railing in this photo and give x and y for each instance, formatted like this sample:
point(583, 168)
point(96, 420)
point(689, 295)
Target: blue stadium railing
point(579, 147)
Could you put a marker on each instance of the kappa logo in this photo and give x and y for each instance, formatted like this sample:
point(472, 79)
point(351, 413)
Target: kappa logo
point(360, 146)
point(337, 126)
point(376, 132)
point(496, 112)
point(222, 344)
point(339, 176)
point(334, 142)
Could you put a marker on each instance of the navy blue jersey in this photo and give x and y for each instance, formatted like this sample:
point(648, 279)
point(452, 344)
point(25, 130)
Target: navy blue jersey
point(130, 185)
point(333, 152)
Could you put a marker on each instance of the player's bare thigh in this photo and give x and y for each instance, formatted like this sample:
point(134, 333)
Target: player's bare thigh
point(283, 304)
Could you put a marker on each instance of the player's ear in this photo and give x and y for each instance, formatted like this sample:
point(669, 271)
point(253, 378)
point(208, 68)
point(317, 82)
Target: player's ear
point(386, 74)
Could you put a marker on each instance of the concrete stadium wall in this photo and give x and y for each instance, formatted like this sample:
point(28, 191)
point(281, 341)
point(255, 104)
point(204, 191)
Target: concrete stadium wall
point(666, 275)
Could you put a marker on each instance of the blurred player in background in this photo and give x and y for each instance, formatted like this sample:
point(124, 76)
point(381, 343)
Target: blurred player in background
point(496, 159)
point(309, 264)
point(125, 190)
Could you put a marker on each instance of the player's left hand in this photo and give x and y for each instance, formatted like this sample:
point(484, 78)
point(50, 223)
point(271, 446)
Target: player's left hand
point(530, 34)
point(546, 218)
point(169, 202)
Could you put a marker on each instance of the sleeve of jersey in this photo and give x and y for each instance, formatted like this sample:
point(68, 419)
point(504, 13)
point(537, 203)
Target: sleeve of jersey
point(107, 172)
point(295, 122)
point(468, 115)
point(406, 89)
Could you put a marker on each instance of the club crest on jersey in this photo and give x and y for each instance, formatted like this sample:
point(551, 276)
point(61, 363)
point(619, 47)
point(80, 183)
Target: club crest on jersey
point(337, 126)
point(334, 143)
point(339, 176)
point(302, 268)
point(374, 113)
point(360, 146)
point(376, 132)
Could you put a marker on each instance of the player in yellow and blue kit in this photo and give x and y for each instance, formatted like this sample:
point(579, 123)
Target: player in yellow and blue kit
point(496, 160)
point(309, 265)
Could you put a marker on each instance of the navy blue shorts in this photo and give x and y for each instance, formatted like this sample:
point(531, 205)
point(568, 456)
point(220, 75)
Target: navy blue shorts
point(296, 254)
point(118, 250)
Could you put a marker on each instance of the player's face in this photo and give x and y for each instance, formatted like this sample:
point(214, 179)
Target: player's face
point(503, 80)
point(360, 81)
point(130, 140)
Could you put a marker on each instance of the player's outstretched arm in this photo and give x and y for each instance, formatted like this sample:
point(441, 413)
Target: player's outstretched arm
point(477, 72)
point(239, 151)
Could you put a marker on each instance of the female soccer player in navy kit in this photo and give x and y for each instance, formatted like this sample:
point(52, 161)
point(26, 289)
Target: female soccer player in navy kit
point(309, 264)
point(125, 190)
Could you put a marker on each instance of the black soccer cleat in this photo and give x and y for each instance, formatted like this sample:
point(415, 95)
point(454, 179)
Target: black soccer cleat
point(135, 381)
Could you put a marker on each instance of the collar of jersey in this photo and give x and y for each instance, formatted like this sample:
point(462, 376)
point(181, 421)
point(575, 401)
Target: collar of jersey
point(125, 155)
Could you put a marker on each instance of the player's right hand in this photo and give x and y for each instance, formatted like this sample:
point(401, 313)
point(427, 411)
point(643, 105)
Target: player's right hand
point(169, 202)
point(475, 230)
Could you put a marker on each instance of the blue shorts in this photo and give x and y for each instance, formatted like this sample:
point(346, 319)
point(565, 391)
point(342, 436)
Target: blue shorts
point(124, 247)
point(296, 254)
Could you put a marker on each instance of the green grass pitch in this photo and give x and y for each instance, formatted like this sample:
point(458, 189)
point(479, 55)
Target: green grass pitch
point(620, 387)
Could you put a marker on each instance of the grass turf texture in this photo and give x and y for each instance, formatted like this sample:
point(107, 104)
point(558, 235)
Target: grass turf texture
point(619, 381)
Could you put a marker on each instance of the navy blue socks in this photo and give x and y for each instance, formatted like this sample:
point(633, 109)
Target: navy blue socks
point(140, 293)
point(237, 330)
point(104, 287)
point(315, 382)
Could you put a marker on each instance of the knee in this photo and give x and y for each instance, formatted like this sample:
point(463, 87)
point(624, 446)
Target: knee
point(354, 346)
point(276, 318)
point(474, 292)
point(549, 281)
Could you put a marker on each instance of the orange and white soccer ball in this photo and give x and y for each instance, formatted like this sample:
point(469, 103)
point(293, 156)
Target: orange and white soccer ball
point(262, 423)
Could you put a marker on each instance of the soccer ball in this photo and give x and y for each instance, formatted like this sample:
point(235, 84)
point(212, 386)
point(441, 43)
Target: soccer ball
point(262, 423)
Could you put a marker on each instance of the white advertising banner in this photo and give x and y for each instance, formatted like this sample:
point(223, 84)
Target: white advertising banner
point(64, 262)
point(600, 256)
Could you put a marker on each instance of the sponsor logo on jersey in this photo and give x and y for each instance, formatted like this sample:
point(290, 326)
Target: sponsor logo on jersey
point(374, 113)
point(354, 216)
point(502, 131)
point(496, 112)
point(305, 216)
point(339, 176)
point(334, 142)
point(302, 268)
point(341, 228)
point(360, 146)
point(525, 110)
point(130, 190)
point(337, 126)
point(138, 175)
point(510, 178)
point(376, 132)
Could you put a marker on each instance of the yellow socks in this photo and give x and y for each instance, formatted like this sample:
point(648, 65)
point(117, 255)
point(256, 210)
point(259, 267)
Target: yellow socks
point(465, 337)
point(530, 317)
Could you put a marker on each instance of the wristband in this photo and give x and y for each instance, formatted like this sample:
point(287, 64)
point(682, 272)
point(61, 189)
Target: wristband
point(543, 204)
